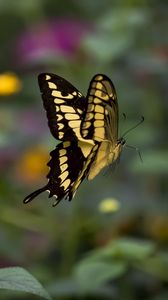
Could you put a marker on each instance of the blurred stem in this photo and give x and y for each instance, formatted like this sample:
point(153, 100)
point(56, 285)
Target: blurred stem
point(72, 241)
point(81, 224)
point(126, 291)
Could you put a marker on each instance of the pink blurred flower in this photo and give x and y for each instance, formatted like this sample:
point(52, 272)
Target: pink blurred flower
point(61, 37)
point(31, 123)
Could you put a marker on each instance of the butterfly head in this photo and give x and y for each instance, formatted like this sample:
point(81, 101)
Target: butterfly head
point(121, 142)
point(115, 150)
point(118, 147)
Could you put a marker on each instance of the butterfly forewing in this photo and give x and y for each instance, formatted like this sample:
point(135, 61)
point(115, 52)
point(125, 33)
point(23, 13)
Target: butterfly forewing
point(101, 116)
point(64, 105)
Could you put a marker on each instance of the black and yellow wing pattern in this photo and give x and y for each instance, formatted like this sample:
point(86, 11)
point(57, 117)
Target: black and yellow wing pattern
point(64, 105)
point(87, 128)
point(101, 110)
point(100, 123)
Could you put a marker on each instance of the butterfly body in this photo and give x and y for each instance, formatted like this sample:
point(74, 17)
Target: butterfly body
point(106, 155)
point(87, 128)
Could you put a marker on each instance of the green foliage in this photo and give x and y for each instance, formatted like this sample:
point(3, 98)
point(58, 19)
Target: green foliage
point(111, 262)
point(91, 275)
point(18, 279)
point(116, 33)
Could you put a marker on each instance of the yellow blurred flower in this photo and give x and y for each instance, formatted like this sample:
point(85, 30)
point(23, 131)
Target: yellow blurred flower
point(109, 205)
point(9, 84)
point(32, 165)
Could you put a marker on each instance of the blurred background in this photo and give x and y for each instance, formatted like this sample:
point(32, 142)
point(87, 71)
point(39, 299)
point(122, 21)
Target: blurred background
point(74, 39)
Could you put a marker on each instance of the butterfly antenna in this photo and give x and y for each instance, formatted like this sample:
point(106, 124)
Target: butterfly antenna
point(137, 150)
point(135, 126)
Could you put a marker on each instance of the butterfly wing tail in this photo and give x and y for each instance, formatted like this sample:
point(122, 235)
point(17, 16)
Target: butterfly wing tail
point(30, 197)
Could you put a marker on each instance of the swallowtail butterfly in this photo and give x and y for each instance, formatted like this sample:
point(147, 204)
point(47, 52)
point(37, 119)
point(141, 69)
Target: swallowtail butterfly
point(87, 128)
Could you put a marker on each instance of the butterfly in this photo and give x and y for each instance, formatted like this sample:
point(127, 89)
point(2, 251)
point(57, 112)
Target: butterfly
point(87, 128)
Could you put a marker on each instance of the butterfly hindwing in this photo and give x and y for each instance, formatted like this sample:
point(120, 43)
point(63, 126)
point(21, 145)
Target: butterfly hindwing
point(86, 168)
point(64, 105)
point(101, 111)
point(66, 162)
point(69, 165)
